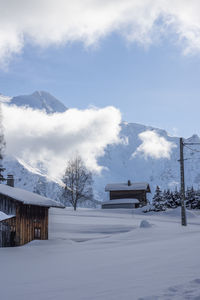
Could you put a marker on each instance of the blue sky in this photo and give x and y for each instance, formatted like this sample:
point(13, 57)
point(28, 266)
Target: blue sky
point(152, 84)
point(157, 86)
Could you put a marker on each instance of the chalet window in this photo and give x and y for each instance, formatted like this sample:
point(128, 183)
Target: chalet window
point(37, 233)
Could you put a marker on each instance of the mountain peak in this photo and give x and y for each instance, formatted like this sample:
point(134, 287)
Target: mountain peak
point(40, 100)
point(194, 139)
point(41, 94)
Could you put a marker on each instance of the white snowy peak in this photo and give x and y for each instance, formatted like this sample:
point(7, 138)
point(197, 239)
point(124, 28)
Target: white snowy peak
point(139, 158)
point(39, 100)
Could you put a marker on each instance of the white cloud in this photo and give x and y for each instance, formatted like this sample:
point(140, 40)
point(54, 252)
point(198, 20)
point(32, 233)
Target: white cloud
point(154, 146)
point(35, 137)
point(47, 22)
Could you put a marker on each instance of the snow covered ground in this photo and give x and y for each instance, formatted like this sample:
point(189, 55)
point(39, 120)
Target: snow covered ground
point(105, 254)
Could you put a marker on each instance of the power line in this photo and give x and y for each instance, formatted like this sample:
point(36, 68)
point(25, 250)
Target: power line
point(191, 158)
point(194, 150)
point(191, 143)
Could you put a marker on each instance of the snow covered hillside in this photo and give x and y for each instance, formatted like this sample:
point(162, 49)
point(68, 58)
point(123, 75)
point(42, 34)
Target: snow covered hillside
point(104, 255)
point(119, 162)
point(122, 165)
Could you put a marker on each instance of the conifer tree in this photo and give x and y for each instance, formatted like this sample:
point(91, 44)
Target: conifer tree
point(177, 197)
point(158, 202)
point(169, 199)
point(190, 197)
point(198, 199)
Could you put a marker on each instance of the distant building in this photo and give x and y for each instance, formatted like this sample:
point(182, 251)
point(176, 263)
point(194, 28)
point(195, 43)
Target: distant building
point(23, 215)
point(126, 195)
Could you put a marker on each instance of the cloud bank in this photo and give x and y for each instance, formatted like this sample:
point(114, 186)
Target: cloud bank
point(50, 22)
point(154, 146)
point(50, 140)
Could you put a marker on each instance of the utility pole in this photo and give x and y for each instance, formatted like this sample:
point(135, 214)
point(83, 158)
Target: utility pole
point(183, 212)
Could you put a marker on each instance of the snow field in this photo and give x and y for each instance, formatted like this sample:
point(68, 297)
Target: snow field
point(104, 254)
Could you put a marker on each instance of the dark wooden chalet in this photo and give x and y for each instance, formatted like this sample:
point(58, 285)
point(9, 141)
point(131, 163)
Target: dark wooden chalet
point(23, 216)
point(126, 195)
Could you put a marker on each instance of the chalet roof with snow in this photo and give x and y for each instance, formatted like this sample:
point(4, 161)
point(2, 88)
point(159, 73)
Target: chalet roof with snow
point(4, 216)
point(28, 198)
point(136, 186)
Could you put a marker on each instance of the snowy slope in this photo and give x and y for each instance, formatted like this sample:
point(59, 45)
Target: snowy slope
point(39, 100)
point(120, 166)
point(31, 179)
point(163, 172)
point(106, 255)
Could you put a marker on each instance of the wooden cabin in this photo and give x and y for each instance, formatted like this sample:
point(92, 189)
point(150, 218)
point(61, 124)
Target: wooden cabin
point(127, 195)
point(23, 216)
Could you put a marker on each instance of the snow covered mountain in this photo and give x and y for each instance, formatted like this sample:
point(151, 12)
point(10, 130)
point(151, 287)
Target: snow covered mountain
point(39, 100)
point(118, 161)
point(121, 165)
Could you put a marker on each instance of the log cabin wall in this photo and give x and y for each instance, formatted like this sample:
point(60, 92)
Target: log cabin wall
point(7, 232)
point(7, 205)
point(31, 223)
point(139, 194)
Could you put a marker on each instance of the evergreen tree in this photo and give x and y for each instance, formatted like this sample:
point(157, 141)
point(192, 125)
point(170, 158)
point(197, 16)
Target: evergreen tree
point(190, 197)
point(177, 197)
point(197, 198)
point(169, 199)
point(158, 201)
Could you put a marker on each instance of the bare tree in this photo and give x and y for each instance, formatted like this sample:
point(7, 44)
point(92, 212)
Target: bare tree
point(78, 182)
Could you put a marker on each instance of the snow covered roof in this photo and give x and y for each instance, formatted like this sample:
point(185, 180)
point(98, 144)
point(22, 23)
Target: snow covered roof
point(28, 197)
point(119, 201)
point(125, 187)
point(3, 216)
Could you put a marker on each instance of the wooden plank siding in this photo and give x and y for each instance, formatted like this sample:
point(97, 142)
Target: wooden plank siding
point(27, 220)
point(7, 205)
point(127, 194)
point(122, 205)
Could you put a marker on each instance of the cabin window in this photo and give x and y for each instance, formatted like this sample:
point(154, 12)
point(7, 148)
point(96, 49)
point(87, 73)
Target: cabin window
point(37, 233)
